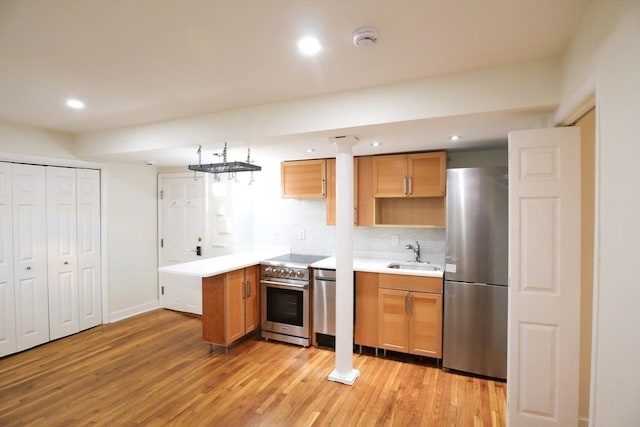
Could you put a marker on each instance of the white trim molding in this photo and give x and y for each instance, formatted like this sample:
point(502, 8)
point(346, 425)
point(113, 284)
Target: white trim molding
point(133, 311)
point(578, 104)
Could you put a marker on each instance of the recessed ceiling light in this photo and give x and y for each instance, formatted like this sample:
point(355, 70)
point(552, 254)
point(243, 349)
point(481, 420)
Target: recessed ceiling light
point(75, 104)
point(454, 137)
point(310, 150)
point(375, 144)
point(309, 46)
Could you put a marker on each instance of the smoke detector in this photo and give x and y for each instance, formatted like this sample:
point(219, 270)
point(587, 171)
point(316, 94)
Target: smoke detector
point(365, 36)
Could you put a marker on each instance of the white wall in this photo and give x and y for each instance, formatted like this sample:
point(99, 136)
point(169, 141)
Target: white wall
point(15, 138)
point(132, 239)
point(607, 51)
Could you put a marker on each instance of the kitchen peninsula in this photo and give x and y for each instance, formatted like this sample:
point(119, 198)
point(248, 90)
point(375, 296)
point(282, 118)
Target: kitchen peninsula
point(231, 301)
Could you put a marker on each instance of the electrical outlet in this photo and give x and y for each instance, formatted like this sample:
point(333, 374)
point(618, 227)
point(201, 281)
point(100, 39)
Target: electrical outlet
point(395, 240)
point(301, 234)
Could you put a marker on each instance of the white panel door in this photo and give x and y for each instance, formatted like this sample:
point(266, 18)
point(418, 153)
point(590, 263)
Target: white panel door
point(7, 292)
point(182, 233)
point(30, 255)
point(89, 271)
point(544, 274)
point(62, 252)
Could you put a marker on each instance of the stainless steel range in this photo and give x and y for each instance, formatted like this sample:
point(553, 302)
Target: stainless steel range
point(286, 283)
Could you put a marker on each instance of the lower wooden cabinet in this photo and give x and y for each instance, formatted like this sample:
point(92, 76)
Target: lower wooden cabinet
point(230, 306)
point(366, 296)
point(409, 319)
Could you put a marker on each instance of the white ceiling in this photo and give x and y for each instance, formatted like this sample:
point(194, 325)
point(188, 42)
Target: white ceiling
point(136, 62)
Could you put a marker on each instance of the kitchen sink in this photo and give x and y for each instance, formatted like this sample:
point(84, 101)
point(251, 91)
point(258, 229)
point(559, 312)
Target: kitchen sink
point(412, 265)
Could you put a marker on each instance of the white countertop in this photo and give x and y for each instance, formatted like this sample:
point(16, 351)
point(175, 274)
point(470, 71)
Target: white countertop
point(217, 265)
point(372, 265)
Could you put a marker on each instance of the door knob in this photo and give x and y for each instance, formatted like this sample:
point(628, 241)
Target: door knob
point(29, 268)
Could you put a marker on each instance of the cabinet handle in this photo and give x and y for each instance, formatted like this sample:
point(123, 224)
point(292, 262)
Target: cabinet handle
point(410, 303)
point(248, 284)
point(324, 187)
point(28, 267)
point(410, 179)
point(66, 263)
point(406, 303)
point(404, 185)
point(244, 290)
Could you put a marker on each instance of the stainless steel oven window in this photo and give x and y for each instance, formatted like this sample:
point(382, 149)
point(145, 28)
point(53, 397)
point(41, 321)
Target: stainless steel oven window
point(285, 306)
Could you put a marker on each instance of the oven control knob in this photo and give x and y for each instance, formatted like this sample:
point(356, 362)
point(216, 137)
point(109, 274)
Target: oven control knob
point(268, 270)
point(282, 271)
point(299, 273)
point(290, 273)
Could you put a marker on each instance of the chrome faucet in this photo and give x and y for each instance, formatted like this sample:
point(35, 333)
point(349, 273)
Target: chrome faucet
point(415, 249)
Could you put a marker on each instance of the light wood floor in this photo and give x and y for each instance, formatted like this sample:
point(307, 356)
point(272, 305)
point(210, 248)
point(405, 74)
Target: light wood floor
point(154, 369)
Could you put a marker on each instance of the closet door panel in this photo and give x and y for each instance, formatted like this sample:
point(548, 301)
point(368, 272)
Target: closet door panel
point(62, 252)
point(89, 272)
point(30, 255)
point(7, 287)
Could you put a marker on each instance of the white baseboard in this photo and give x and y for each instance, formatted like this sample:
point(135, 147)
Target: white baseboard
point(583, 422)
point(132, 311)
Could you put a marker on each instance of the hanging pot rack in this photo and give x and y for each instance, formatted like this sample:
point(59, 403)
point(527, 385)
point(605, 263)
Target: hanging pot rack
point(225, 166)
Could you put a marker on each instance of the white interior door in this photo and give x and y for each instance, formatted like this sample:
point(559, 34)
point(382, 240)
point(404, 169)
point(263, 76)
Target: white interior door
point(30, 255)
point(182, 233)
point(544, 274)
point(7, 292)
point(89, 267)
point(62, 252)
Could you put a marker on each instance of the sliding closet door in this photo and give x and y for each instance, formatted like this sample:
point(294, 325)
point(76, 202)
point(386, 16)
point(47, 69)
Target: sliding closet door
point(90, 291)
point(62, 252)
point(30, 255)
point(7, 292)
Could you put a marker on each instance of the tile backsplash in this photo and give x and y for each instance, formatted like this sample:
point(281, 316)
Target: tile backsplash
point(301, 225)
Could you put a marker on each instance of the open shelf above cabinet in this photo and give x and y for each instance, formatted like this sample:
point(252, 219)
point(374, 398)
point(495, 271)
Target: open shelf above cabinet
point(410, 212)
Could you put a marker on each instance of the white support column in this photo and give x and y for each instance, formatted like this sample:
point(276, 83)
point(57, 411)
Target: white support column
point(344, 372)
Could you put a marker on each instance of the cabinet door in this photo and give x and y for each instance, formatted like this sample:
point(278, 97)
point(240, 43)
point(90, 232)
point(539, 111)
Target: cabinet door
point(425, 325)
point(89, 267)
point(235, 305)
point(7, 288)
point(364, 191)
point(427, 174)
point(30, 255)
point(62, 252)
point(366, 327)
point(389, 176)
point(331, 191)
point(213, 309)
point(252, 299)
point(393, 320)
point(304, 179)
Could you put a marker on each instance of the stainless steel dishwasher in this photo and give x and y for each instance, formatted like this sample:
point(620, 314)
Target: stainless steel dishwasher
point(324, 302)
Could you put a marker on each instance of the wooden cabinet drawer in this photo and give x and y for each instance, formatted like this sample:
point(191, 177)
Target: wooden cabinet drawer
point(410, 283)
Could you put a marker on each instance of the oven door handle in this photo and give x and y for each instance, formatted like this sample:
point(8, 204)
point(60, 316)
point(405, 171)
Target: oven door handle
point(283, 285)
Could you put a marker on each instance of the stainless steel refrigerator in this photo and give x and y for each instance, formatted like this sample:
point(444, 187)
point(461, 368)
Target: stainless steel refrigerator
point(475, 287)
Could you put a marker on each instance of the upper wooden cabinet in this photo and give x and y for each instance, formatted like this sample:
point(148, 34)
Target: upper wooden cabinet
point(410, 175)
point(362, 191)
point(304, 179)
